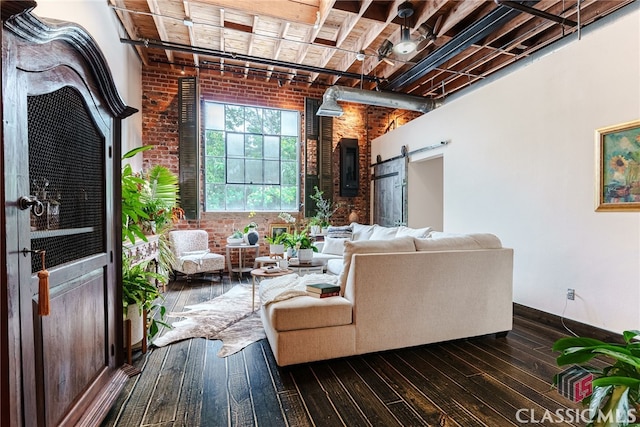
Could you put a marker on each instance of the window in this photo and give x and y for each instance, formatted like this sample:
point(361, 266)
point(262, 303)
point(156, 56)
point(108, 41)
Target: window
point(251, 158)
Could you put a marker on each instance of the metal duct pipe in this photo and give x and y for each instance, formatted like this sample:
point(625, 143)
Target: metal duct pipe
point(334, 94)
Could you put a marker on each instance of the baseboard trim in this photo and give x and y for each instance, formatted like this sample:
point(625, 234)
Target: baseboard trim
point(554, 321)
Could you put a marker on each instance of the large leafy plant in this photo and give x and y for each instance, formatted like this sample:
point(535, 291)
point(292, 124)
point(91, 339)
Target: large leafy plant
point(616, 388)
point(139, 288)
point(133, 203)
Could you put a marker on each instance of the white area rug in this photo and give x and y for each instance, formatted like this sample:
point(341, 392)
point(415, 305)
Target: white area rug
point(228, 318)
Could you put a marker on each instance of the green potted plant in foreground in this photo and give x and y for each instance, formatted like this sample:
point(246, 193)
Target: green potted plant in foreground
point(140, 293)
point(616, 388)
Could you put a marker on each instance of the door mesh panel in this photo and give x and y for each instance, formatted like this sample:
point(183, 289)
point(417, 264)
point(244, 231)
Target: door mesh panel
point(66, 173)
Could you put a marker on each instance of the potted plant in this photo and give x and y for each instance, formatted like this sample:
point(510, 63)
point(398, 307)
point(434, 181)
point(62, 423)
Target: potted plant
point(616, 388)
point(140, 294)
point(303, 245)
point(276, 244)
point(235, 238)
point(324, 208)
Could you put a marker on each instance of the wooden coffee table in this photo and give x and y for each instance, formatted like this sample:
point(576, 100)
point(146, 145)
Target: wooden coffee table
point(260, 274)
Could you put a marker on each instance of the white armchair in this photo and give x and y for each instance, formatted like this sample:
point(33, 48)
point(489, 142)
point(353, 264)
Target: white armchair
point(191, 250)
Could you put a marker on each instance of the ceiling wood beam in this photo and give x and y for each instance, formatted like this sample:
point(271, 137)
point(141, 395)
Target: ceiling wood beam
point(192, 36)
point(162, 30)
point(278, 46)
point(287, 10)
point(368, 37)
point(130, 28)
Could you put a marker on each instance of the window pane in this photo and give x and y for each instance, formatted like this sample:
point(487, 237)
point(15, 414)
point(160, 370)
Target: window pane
point(253, 120)
point(253, 146)
point(289, 198)
point(253, 172)
point(235, 145)
point(214, 143)
point(272, 197)
point(288, 148)
point(235, 197)
point(234, 118)
point(214, 118)
point(254, 197)
point(215, 197)
point(251, 159)
point(272, 122)
point(271, 172)
point(235, 171)
point(214, 170)
point(271, 147)
point(289, 173)
point(290, 123)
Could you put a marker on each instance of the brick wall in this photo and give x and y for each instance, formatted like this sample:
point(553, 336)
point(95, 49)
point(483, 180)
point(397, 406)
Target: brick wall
point(160, 116)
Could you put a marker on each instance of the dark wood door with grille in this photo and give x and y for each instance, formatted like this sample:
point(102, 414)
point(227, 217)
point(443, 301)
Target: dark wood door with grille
point(60, 182)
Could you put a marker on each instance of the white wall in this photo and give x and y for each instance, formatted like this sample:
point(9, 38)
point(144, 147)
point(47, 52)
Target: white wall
point(520, 164)
point(100, 21)
point(427, 180)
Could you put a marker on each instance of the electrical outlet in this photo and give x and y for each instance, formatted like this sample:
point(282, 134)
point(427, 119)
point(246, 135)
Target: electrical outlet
point(571, 294)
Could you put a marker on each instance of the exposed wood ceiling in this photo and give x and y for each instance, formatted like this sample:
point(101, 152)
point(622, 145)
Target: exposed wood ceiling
point(318, 41)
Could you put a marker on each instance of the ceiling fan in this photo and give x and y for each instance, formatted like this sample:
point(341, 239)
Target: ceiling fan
point(406, 45)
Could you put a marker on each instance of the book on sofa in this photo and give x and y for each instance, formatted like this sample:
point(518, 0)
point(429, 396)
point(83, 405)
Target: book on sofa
point(323, 288)
point(325, 295)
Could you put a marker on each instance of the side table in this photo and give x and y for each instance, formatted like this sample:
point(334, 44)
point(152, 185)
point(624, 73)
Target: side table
point(260, 274)
point(240, 268)
point(313, 266)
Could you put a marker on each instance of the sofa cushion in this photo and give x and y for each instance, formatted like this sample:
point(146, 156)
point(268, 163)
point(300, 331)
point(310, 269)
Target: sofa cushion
point(333, 246)
point(307, 312)
point(451, 242)
point(401, 244)
point(361, 231)
point(420, 233)
point(335, 266)
point(343, 232)
point(383, 233)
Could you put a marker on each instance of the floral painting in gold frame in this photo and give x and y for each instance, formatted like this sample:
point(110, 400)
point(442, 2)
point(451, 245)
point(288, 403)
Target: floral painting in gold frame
point(618, 167)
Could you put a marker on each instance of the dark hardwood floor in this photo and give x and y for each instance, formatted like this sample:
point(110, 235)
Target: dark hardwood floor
point(485, 381)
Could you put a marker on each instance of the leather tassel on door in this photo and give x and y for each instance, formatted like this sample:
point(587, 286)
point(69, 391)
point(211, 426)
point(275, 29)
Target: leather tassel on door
point(43, 288)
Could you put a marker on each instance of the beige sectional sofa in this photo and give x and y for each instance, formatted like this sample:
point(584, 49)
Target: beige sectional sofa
point(398, 293)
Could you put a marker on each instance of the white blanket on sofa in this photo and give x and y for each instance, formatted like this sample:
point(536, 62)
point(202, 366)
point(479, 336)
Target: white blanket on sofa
point(290, 286)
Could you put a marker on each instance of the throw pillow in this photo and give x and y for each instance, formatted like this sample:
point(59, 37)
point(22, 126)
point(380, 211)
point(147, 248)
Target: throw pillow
point(452, 242)
point(401, 244)
point(333, 246)
point(419, 233)
point(361, 231)
point(383, 233)
point(343, 232)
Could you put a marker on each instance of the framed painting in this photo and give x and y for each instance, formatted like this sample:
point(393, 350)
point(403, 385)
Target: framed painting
point(618, 167)
point(276, 229)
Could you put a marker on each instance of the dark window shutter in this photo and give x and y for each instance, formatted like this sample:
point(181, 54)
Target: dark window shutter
point(319, 129)
point(189, 149)
point(326, 157)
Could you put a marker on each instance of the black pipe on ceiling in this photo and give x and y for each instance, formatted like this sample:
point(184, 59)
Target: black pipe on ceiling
point(470, 35)
point(537, 12)
point(194, 50)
